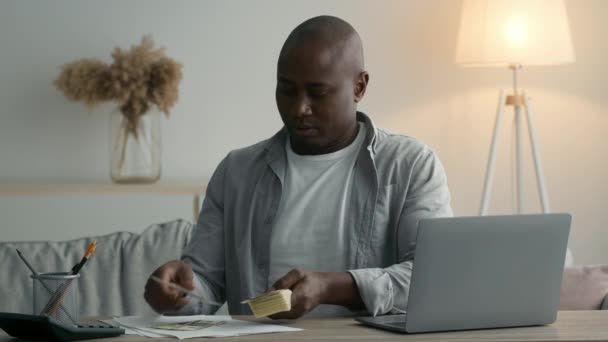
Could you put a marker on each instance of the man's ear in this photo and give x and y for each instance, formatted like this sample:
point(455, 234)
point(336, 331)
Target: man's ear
point(361, 85)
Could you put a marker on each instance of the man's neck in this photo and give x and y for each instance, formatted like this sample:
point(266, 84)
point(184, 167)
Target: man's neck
point(343, 141)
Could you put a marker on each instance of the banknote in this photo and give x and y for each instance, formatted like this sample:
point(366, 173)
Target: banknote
point(187, 326)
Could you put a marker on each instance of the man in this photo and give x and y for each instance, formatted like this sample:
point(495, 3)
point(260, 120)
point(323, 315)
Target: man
point(328, 207)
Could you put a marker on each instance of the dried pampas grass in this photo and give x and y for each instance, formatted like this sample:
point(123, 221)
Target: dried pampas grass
point(83, 80)
point(138, 78)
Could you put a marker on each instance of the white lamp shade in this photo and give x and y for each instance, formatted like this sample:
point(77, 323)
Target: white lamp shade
point(507, 32)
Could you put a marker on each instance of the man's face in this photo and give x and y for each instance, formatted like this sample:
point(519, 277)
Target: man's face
point(315, 96)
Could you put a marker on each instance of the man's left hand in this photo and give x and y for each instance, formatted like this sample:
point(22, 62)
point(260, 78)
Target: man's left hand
point(308, 291)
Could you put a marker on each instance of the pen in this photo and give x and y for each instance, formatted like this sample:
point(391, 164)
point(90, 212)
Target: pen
point(86, 257)
point(184, 290)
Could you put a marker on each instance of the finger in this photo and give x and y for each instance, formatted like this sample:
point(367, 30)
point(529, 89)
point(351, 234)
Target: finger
point(181, 302)
point(160, 301)
point(167, 271)
point(289, 280)
point(176, 272)
point(302, 298)
point(296, 311)
point(155, 290)
point(176, 301)
point(291, 314)
point(298, 304)
point(160, 297)
point(185, 276)
point(164, 304)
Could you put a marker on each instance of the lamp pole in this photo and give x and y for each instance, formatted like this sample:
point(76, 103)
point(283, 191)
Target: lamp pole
point(517, 100)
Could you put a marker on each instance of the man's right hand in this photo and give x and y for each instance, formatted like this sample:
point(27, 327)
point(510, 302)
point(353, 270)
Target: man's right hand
point(164, 299)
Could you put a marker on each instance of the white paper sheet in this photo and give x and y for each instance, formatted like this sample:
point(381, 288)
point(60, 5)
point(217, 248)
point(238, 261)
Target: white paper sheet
point(232, 327)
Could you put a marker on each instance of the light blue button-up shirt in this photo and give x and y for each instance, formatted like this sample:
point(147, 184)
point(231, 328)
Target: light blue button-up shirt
point(397, 181)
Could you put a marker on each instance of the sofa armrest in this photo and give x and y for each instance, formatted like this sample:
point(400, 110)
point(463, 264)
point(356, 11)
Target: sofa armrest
point(605, 303)
point(584, 288)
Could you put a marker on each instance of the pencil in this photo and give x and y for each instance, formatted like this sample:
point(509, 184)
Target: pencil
point(26, 263)
point(184, 290)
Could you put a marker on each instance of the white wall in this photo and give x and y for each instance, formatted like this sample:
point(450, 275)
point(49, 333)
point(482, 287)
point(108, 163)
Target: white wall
point(229, 51)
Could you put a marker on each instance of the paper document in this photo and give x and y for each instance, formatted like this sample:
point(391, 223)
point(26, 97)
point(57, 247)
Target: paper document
point(182, 327)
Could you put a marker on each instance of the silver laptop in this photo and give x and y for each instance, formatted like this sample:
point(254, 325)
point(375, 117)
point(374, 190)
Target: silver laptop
point(483, 272)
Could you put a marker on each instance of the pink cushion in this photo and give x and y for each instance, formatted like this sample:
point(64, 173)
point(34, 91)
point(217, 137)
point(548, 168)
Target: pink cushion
point(584, 287)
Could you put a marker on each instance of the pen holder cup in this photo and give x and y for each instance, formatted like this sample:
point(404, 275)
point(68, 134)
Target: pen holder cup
point(56, 296)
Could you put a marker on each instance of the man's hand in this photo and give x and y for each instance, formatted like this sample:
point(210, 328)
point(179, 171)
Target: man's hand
point(310, 289)
point(164, 299)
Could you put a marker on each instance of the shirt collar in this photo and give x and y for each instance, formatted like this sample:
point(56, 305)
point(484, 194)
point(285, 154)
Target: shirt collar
point(275, 149)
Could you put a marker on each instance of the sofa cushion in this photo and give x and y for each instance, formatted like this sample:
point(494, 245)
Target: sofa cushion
point(584, 287)
point(111, 282)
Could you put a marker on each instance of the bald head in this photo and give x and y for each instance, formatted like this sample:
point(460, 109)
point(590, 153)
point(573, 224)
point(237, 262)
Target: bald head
point(320, 80)
point(333, 36)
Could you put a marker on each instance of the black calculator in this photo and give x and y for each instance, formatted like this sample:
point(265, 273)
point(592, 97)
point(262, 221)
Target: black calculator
point(33, 327)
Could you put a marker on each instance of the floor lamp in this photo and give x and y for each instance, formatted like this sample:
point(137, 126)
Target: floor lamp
point(514, 33)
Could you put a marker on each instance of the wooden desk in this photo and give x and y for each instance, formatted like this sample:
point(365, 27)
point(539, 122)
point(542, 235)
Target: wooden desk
point(570, 326)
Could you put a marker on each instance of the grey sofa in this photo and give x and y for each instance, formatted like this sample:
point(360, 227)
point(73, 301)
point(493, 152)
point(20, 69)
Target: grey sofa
point(113, 280)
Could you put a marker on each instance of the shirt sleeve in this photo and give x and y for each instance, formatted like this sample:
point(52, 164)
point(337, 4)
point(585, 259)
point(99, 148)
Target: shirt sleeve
point(385, 290)
point(205, 252)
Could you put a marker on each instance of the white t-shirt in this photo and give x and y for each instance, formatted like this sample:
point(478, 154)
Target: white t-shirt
point(310, 231)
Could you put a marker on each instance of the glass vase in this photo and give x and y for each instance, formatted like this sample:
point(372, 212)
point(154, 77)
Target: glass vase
point(135, 148)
